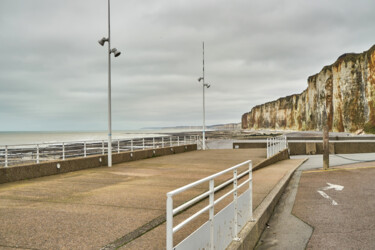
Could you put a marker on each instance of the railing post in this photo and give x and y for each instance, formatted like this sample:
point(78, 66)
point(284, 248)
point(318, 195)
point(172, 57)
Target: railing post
point(162, 142)
point(84, 149)
point(143, 143)
point(212, 211)
point(118, 146)
point(235, 226)
point(251, 190)
point(6, 156)
point(169, 222)
point(63, 151)
point(178, 141)
point(170, 141)
point(268, 154)
point(37, 153)
point(102, 147)
point(153, 142)
point(185, 140)
point(131, 145)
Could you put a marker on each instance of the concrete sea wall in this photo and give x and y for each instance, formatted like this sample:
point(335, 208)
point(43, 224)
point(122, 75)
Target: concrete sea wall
point(23, 172)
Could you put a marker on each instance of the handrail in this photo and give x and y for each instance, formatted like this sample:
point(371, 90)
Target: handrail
point(41, 152)
point(276, 144)
point(212, 202)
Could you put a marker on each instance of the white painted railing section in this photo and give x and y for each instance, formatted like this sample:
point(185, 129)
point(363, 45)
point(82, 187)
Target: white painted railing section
point(36, 153)
point(276, 144)
point(221, 229)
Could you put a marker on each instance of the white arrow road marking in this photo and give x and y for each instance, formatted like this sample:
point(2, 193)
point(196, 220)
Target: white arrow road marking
point(333, 186)
point(330, 186)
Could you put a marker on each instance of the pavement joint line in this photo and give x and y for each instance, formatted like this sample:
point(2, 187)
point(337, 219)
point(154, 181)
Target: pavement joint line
point(85, 204)
point(335, 169)
point(19, 247)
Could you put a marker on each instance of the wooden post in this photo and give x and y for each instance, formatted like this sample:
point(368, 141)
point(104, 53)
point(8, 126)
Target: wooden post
point(325, 141)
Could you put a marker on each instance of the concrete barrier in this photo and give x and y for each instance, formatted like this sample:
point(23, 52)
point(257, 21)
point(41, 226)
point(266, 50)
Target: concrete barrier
point(237, 145)
point(23, 172)
point(336, 147)
point(282, 155)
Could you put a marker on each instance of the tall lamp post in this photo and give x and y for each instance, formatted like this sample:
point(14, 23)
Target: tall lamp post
point(116, 53)
point(204, 85)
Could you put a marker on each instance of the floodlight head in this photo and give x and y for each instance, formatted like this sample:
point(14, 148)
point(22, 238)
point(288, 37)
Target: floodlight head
point(102, 41)
point(115, 52)
point(200, 79)
point(208, 86)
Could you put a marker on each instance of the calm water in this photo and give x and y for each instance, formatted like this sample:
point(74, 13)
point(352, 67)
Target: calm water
point(12, 138)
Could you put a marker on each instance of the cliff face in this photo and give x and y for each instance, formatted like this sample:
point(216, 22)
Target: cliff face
point(346, 89)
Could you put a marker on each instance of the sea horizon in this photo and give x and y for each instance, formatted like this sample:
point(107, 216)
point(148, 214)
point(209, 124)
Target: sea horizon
point(39, 137)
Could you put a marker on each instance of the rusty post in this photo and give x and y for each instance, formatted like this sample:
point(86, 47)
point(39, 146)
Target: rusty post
point(325, 141)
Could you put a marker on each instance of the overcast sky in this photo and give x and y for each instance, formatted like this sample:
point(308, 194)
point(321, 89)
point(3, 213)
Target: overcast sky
point(53, 72)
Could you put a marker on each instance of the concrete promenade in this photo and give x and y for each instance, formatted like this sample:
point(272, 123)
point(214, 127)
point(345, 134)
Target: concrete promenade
point(107, 207)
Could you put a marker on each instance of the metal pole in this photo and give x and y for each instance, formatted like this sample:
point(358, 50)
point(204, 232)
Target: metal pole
point(153, 142)
point(211, 212)
point(37, 153)
point(169, 222)
point(102, 147)
point(251, 190)
point(204, 111)
point(63, 151)
point(131, 145)
point(6, 156)
point(235, 226)
point(109, 90)
point(84, 149)
point(143, 143)
point(118, 146)
point(325, 141)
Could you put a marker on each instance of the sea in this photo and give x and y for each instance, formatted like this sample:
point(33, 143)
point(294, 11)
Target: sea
point(39, 137)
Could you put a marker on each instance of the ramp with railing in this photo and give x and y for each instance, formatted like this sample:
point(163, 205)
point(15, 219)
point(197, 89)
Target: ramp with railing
point(276, 144)
point(223, 227)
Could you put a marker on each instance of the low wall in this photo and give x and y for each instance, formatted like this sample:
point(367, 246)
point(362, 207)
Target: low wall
point(23, 172)
point(282, 155)
point(237, 145)
point(336, 147)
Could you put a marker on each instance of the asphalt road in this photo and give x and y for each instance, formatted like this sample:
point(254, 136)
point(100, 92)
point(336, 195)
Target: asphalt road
point(308, 218)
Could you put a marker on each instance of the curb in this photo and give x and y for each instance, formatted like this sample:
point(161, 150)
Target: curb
point(252, 231)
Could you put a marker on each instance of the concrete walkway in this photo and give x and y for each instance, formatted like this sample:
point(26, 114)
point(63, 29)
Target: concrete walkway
point(119, 206)
point(306, 219)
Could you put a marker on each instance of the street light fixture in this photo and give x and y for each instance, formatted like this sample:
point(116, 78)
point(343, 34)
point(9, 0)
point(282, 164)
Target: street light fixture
point(116, 53)
point(204, 85)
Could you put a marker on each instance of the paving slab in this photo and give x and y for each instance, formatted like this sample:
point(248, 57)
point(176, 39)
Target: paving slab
point(90, 208)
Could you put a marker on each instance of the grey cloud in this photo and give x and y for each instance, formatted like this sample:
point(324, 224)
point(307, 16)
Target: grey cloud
point(53, 73)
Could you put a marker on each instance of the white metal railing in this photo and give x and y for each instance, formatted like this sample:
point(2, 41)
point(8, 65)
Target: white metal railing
point(276, 144)
point(210, 240)
point(36, 153)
